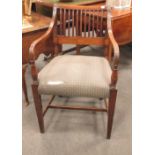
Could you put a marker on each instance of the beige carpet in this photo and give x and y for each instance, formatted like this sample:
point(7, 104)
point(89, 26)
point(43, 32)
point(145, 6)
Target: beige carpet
point(82, 132)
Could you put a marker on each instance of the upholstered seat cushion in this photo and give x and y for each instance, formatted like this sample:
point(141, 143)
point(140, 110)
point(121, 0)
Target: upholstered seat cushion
point(72, 75)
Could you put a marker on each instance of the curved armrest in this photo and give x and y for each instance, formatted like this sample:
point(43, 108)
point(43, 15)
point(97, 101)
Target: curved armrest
point(115, 50)
point(41, 45)
point(38, 46)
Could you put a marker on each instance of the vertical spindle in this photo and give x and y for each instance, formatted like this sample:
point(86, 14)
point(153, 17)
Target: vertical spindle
point(77, 22)
point(68, 22)
point(64, 22)
point(73, 22)
point(93, 18)
point(81, 23)
point(89, 22)
point(85, 22)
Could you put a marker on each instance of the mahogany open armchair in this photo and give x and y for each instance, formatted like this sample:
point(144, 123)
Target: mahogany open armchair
point(75, 75)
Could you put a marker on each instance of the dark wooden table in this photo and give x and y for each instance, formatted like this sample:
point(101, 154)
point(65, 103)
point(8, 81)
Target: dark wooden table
point(49, 3)
point(32, 27)
point(122, 25)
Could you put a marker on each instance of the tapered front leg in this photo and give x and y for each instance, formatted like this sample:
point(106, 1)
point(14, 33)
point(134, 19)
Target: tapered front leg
point(111, 109)
point(38, 107)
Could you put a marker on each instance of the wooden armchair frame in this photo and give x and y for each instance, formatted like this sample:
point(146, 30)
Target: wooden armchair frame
point(57, 34)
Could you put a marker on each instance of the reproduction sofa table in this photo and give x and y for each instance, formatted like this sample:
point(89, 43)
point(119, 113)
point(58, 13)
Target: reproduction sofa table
point(49, 3)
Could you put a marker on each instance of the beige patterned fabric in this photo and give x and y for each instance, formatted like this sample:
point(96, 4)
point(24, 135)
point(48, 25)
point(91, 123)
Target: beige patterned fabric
point(72, 75)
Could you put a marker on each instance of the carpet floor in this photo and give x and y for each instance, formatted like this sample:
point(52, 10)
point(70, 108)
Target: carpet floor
point(81, 132)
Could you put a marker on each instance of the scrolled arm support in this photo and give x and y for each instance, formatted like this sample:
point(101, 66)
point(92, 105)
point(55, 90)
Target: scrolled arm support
point(115, 46)
point(38, 47)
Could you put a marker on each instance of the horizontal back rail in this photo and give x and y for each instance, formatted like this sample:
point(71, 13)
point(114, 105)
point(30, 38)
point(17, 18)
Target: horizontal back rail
point(82, 40)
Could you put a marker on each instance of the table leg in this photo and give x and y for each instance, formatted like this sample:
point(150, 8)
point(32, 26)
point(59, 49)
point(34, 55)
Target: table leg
point(24, 87)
